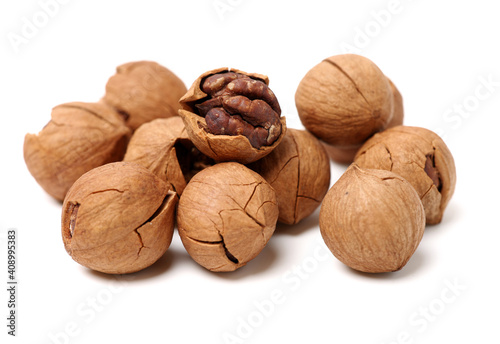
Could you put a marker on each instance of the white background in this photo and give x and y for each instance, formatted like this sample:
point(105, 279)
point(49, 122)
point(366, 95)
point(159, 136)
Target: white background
point(437, 53)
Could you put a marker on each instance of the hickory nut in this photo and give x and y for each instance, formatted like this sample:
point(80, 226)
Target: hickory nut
point(226, 215)
point(299, 171)
point(118, 218)
point(421, 157)
point(78, 138)
point(232, 115)
point(372, 220)
point(144, 90)
point(163, 147)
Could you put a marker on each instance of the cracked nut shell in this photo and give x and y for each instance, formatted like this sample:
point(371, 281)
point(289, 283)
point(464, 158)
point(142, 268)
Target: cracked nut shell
point(144, 90)
point(344, 100)
point(226, 215)
point(372, 220)
point(118, 218)
point(299, 171)
point(421, 157)
point(78, 138)
point(231, 115)
point(164, 148)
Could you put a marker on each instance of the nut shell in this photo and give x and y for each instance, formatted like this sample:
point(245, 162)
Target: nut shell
point(118, 218)
point(372, 220)
point(78, 138)
point(421, 157)
point(226, 215)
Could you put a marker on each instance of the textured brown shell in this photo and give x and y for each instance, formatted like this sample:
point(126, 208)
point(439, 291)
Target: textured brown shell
point(118, 218)
point(404, 151)
point(226, 215)
point(78, 138)
point(344, 100)
point(299, 171)
point(372, 220)
point(221, 147)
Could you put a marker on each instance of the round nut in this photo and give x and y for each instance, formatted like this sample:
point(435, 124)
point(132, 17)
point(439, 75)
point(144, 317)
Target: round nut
point(118, 218)
point(299, 171)
point(372, 220)
point(78, 138)
point(226, 215)
point(421, 157)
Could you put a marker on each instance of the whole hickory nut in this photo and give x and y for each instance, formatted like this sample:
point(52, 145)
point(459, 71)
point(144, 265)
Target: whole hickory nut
point(344, 100)
point(299, 171)
point(231, 115)
point(118, 218)
point(163, 147)
point(372, 220)
point(78, 138)
point(144, 90)
point(226, 215)
point(421, 157)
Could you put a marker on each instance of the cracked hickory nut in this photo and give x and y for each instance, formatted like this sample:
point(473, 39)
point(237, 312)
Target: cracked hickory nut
point(372, 220)
point(78, 138)
point(231, 115)
point(163, 147)
point(144, 90)
point(118, 218)
point(421, 157)
point(344, 100)
point(299, 171)
point(226, 215)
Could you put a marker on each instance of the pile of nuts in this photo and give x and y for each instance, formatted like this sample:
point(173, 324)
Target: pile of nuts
point(217, 161)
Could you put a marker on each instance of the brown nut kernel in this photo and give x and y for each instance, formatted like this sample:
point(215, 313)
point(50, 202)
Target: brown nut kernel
point(118, 218)
point(163, 147)
point(78, 138)
point(232, 115)
point(299, 171)
point(344, 100)
point(421, 157)
point(226, 215)
point(372, 220)
point(144, 90)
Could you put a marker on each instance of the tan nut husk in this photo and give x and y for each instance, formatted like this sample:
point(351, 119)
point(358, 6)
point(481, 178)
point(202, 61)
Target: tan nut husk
point(78, 138)
point(299, 171)
point(118, 218)
point(406, 151)
point(221, 147)
point(164, 148)
point(399, 112)
point(372, 220)
point(226, 215)
point(344, 100)
point(143, 91)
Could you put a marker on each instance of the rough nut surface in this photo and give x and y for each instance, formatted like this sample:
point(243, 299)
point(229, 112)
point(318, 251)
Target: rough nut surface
point(344, 100)
point(421, 157)
point(144, 90)
point(299, 171)
point(118, 218)
point(78, 138)
point(231, 115)
point(164, 148)
point(226, 215)
point(372, 220)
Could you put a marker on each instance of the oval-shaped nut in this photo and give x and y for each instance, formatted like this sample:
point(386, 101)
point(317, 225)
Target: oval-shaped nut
point(344, 100)
point(231, 115)
point(372, 220)
point(78, 138)
point(164, 148)
point(421, 157)
point(118, 218)
point(226, 215)
point(144, 90)
point(299, 171)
